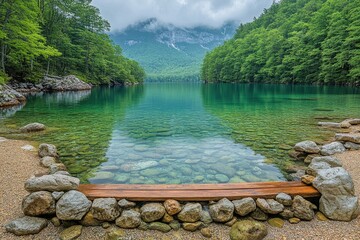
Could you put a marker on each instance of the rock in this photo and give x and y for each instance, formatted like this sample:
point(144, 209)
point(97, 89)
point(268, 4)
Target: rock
point(343, 137)
point(287, 214)
point(354, 121)
point(222, 211)
point(38, 203)
point(269, 206)
point(167, 218)
point(105, 225)
point(26, 225)
point(63, 173)
point(136, 166)
point(223, 169)
point(294, 220)
point(67, 83)
point(10, 97)
point(248, 230)
point(307, 179)
point(244, 206)
point(284, 199)
point(144, 226)
point(55, 221)
point(125, 204)
point(151, 212)
point(89, 220)
point(332, 148)
point(338, 200)
point(329, 124)
point(314, 168)
point(105, 209)
point(205, 217)
point(129, 219)
point(259, 215)
point(115, 234)
point(190, 213)
point(303, 209)
point(222, 178)
point(172, 207)
point(102, 176)
point(276, 222)
point(352, 146)
point(73, 205)
point(332, 161)
point(159, 226)
point(321, 217)
point(231, 222)
point(297, 176)
point(175, 225)
point(57, 195)
point(56, 167)
point(192, 227)
point(71, 233)
point(52, 183)
point(300, 156)
point(47, 161)
point(307, 147)
point(310, 157)
point(206, 232)
point(345, 124)
point(48, 150)
point(33, 127)
point(28, 147)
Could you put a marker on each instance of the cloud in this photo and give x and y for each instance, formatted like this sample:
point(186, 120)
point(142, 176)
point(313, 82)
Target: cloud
point(181, 13)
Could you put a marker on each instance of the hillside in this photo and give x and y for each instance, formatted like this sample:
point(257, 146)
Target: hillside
point(295, 41)
point(169, 52)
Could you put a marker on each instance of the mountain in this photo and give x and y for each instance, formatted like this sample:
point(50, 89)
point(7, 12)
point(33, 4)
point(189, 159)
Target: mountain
point(167, 52)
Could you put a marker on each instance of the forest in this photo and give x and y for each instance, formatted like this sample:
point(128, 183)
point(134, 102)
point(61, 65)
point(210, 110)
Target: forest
point(294, 41)
point(60, 37)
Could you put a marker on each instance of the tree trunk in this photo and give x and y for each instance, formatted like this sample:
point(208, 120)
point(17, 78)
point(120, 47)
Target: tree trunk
point(3, 48)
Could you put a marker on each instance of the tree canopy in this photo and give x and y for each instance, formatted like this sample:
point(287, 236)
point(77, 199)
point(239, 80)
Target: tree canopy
point(60, 37)
point(294, 41)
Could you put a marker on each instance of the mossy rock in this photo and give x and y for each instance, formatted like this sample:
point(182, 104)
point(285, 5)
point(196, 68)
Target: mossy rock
point(248, 230)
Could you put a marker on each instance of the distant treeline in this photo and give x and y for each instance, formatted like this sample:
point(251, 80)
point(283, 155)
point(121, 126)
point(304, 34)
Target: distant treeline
point(60, 37)
point(294, 41)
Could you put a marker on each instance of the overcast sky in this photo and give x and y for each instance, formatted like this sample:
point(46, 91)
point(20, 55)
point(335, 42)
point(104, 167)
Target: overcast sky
point(181, 13)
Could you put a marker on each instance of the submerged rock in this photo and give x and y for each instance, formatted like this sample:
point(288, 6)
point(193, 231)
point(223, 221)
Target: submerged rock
point(129, 167)
point(26, 225)
point(33, 127)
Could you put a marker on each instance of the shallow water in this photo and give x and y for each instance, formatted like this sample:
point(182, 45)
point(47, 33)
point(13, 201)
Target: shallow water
point(182, 132)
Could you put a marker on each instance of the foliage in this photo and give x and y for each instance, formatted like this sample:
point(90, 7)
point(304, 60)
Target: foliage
point(294, 41)
point(60, 37)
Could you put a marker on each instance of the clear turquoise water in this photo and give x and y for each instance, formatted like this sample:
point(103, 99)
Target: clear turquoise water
point(182, 132)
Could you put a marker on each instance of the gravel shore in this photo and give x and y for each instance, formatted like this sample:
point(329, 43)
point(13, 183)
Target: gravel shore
point(18, 165)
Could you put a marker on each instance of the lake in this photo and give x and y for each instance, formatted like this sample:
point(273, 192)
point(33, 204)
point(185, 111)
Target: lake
point(160, 133)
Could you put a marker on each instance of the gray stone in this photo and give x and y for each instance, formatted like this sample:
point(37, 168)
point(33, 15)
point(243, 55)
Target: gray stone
point(284, 199)
point(26, 225)
point(52, 183)
point(354, 121)
point(259, 215)
point(307, 146)
point(136, 166)
point(67, 83)
point(269, 206)
point(71, 233)
point(151, 212)
point(191, 212)
point(205, 217)
point(56, 167)
point(57, 195)
point(347, 137)
point(303, 209)
point(73, 205)
point(102, 176)
point(159, 226)
point(329, 124)
point(297, 176)
point(175, 225)
point(47, 150)
point(244, 206)
point(125, 204)
point(314, 168)
point(287, 214)
point(105, 209)
point(33, 127)
point(332, 148)
point(47, 161)
point(352, 146)
point(129, 219)
point(38, 203)
point(222, 211)
point(248, 230)
point(332, 161)
point(10, 97)
point(340, 208)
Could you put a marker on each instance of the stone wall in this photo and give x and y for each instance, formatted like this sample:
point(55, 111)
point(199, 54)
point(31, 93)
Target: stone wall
point(54, 197)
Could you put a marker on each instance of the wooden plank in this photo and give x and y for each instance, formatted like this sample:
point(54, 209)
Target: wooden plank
point(196, 192)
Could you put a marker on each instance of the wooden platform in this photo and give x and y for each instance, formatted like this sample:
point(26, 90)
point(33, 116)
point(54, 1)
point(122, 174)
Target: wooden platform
point(197, 192)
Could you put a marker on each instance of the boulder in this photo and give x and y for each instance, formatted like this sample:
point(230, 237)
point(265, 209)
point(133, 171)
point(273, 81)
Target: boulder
point(10, 97)
point(284, 199)
point(26, 225)
point(340, 208)
point(105, 209)
point(297, 176)
point(57, 195)
point(47, 150)
point(307, 147)
point(172, 207)
point(47, 161)
point(89, 220)
point(191, 212)
point(71, 233)
point(222, 211)
point(159, 226)
point(354, 138)
point(125, 204)
point(310, 157)
point(352, 146)
point(67, 83)
point(129, 219)
point(73, 205)
point(313, 168)
point(244, 206)
point(52, 183)
point(332, 148)
point(269, 206)
point(248, 230)
point(205, 217)
point(332, 161)
point(303, 209)
point(151, 212)
point(38, 203)
point(33, 127)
